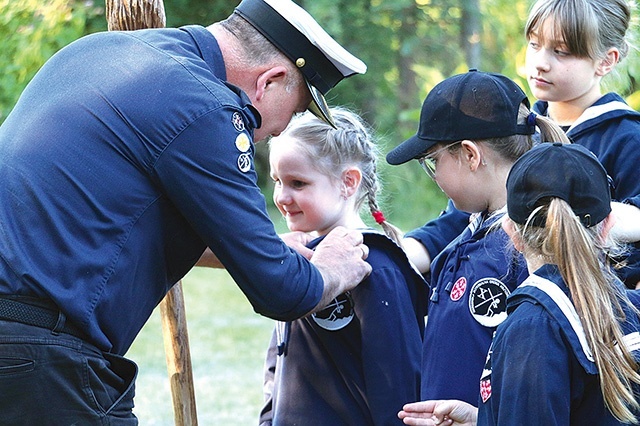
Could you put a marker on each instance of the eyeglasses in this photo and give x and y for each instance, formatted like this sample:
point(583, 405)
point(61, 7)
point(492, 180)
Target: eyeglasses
point(429, 161)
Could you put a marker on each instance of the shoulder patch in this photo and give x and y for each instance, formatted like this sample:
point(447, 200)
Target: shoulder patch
point(244, 162)
point(243, 142)
point(238, 122)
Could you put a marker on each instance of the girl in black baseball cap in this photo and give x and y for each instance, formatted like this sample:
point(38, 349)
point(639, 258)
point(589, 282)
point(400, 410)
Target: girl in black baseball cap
point(473, 127)
point(568, 352)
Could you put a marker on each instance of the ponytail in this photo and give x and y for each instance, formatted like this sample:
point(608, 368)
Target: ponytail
point(576, 250)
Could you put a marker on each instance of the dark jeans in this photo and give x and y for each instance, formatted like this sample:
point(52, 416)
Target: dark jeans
point(48, 379)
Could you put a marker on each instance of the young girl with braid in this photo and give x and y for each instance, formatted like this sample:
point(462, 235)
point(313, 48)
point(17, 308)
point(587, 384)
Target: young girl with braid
point(357, 361)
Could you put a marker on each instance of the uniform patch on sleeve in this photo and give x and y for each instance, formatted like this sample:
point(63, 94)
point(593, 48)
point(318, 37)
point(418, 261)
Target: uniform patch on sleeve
point(485, 390)
point(338, 314)
point(237, 121)
point(244, 162)
point(242, 142)
point(485, 378)
point(488, 301)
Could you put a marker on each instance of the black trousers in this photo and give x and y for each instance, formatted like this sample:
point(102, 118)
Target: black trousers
point(58, 379)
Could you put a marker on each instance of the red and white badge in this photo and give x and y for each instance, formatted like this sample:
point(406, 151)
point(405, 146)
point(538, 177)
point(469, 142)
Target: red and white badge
point(485, 390)
point(458, 289)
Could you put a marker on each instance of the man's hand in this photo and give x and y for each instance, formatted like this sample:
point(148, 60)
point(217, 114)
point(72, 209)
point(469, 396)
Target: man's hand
point(340, 259)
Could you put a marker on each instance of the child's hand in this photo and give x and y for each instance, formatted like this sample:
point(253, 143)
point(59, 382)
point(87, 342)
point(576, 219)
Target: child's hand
point(442, 413)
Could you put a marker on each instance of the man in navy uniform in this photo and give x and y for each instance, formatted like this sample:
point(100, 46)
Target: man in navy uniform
point(127, 156)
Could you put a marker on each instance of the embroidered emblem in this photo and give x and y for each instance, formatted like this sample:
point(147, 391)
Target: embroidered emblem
point(485, 378)
point(244, 162)
point(485, 390)
point(237, 121)
point(338, 314)
point(458, 289)
point(488, 301)
point(242, 142)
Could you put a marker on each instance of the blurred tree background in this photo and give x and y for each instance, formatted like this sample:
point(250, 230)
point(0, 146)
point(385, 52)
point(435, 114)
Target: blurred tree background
point(408, 45)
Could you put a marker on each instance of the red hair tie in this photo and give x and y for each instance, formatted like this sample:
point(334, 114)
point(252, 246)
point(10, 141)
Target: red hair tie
point(378, 216)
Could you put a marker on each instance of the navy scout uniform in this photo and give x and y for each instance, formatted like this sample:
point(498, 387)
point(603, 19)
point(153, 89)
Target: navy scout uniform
point(549, 372)
point(357, 361)
point(471, 280)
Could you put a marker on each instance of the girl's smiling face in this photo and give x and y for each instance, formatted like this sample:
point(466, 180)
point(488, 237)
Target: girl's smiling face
point(309, 199)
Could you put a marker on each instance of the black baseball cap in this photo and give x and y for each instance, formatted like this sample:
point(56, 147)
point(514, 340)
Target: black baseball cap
point(474, 105)
point(567, 171)
point(322, 60)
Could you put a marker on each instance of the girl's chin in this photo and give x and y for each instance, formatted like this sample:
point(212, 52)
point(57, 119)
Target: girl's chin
point(294, 226)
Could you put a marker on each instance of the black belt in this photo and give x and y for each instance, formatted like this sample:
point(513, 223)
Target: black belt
point(37, 312)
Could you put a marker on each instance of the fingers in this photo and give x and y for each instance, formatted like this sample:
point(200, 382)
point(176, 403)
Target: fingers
point(340, 259)
point(353, 237)
point(365, 251)
point(424, 413)
point(298, 241)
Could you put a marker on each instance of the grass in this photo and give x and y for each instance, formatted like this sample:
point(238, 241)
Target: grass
point(228, 342)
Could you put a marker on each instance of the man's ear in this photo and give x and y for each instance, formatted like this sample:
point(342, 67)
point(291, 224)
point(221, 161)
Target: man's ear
point(606, 64)
point(351, 179)
point(269, 79)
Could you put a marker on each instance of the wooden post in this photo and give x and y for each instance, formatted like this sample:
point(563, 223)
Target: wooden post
point(176, 348)
point(127, 15)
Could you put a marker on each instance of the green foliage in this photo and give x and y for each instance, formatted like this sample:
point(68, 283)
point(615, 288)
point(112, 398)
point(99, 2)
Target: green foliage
point(409, 46)
point(202, 12)
point(32, 31)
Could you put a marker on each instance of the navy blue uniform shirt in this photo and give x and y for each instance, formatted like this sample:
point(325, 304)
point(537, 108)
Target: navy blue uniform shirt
point(471, 280)
point(539, 370)
point(125, 157)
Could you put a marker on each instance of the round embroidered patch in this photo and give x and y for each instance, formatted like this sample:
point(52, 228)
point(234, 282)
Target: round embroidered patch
point(458, 289)
point(338, 314)
point(244, 162)
point(242, 142)
point(488, 301)
point(237, 121)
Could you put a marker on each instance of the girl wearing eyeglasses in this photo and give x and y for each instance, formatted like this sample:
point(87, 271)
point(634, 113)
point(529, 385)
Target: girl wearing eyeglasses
point(473, 127)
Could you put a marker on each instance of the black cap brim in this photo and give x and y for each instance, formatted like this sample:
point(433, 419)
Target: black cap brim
point(412, 148)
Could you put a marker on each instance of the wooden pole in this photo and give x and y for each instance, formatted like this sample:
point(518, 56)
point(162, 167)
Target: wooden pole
point(176, 348)
point(128, 15)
